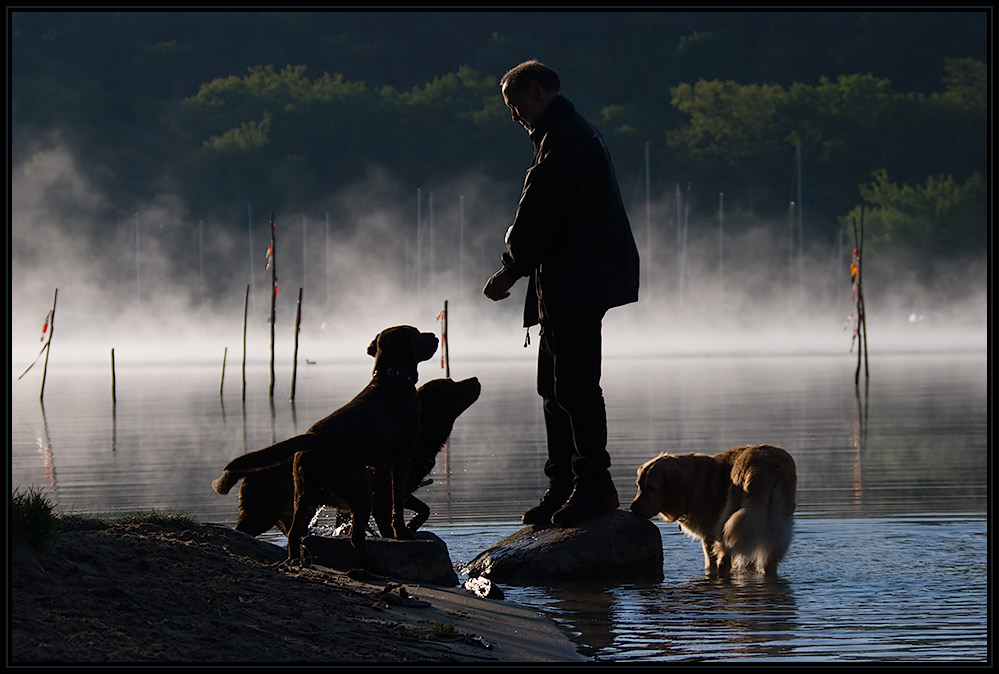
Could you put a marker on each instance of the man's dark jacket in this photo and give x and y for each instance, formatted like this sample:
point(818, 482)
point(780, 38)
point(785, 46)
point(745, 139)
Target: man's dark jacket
point(571, 234)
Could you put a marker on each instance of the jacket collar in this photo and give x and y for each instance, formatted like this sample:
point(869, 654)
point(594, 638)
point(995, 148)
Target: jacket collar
point(559, 108)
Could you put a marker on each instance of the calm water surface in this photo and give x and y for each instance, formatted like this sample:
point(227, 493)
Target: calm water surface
point(890, 557)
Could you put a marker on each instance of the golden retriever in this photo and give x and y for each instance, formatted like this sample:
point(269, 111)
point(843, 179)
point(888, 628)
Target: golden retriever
point(740, 503)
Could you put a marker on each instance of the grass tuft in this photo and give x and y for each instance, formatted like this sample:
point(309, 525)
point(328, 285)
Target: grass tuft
point(32, 515)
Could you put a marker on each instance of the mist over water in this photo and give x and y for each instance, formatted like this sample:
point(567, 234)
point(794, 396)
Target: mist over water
point(155, 282)
point(887, 563)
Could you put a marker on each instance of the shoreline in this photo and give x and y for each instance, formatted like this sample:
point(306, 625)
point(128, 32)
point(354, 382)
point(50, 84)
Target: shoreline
point(205, 593)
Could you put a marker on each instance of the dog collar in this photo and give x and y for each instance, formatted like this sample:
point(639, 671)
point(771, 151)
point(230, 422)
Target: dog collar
point(392, 372)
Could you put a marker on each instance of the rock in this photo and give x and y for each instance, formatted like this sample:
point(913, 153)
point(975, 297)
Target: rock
point(618, 545)
point(424, 559)
point(481, 586)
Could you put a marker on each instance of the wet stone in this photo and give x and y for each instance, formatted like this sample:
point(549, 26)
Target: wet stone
point(615, 546)
point(425, 559)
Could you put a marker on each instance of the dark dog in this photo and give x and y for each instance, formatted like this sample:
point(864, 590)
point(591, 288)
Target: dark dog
point(739, 503)
point(373, 435)
point(266, 498)
point(442, 401)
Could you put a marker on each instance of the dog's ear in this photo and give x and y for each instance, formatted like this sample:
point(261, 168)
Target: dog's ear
point(678, 486)
point(373, 347)
point(672, 479)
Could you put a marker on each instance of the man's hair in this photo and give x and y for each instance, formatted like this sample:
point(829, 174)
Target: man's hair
point(522, 76)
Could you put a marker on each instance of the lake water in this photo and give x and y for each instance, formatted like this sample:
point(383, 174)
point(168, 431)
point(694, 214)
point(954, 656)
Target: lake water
point(890, 559)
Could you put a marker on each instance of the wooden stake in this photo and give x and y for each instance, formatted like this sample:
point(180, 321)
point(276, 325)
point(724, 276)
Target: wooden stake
point(222, 383)
point(861, 312)
point(447, 356)
point(294, 362)
point(274, 288)
point(246, 305)
point(114, 396)
point(48, 346)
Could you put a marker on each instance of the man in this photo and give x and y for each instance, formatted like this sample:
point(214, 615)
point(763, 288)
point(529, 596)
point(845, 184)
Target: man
point(572, 239)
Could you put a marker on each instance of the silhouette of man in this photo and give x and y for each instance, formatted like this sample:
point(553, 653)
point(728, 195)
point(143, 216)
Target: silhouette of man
point(571, 237)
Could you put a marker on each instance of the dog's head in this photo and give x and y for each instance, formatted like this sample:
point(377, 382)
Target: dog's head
point(446, 399)
point(402, 347)
point(663, 488)
point(441, 402)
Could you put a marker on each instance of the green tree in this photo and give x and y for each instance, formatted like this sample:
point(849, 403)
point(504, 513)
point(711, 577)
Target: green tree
point(941, 217)
point(728, 123)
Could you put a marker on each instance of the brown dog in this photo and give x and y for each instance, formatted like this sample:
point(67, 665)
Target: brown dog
point(376, 431)
point(739, 503)
point(266, 498)
point(442, 401)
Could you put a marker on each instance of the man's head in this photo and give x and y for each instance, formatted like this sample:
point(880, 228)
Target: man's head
point(528, 89)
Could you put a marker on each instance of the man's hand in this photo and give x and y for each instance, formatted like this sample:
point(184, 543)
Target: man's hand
point(499, 284)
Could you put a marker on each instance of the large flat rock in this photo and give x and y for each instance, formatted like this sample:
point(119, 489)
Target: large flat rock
point(618, 545)
point(425, 559)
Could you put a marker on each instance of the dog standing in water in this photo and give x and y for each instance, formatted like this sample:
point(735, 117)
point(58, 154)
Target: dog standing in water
point(739, 503)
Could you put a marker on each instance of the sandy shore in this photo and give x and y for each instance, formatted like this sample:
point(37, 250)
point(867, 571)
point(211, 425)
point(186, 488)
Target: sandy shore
point(143, 593)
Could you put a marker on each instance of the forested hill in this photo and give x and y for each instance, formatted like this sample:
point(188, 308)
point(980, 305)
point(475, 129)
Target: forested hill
point(218, 107)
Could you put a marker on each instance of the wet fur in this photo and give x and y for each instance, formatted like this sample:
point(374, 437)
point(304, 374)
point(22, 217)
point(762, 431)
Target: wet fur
point(739, 503)
point(266, 498)
point(370, 439)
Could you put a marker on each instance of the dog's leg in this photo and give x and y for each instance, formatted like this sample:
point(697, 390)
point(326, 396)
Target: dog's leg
point(721, 558)
point(422, 511)
point(382, 502)
point(360, 508)
point(305, 510)
point(400, 473)
point(709, 558)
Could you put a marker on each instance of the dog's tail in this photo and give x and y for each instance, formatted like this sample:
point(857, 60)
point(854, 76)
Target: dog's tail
point(224, 482)
point(759, 533)
point(262, 459)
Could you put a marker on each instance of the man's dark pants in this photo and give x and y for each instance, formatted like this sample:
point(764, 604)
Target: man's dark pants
point(569, 359)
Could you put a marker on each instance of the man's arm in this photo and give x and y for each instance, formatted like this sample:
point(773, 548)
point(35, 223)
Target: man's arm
point(499, 284)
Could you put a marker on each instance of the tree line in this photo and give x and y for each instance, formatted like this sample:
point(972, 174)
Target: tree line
point(884, 108)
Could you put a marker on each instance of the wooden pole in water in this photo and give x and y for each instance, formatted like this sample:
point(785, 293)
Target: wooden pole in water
point(419, 238)
point(447, 356)
point(461, 245)
point(721, 240)
point(326, 313)
point(201, 270)
point(430, 208)
point(114, 395)
point(294, 362)
point(246, 306)
point(48, 345)
point(222, 383)
point(647, 263)
point(274, 291)
point(249, 227)
point(861, 312)
point(138, 277)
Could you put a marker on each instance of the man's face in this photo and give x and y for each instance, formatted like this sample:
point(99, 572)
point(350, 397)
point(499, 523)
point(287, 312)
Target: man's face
point(526, 106)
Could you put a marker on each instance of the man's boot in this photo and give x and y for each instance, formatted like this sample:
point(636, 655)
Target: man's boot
point(555, 497)
point(586, 501)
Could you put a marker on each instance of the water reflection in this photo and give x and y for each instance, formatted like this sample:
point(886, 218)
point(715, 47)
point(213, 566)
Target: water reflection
point(858, 440)
point(858, 452)
point(745, 616)
point(882, 584)
point(48, 460)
